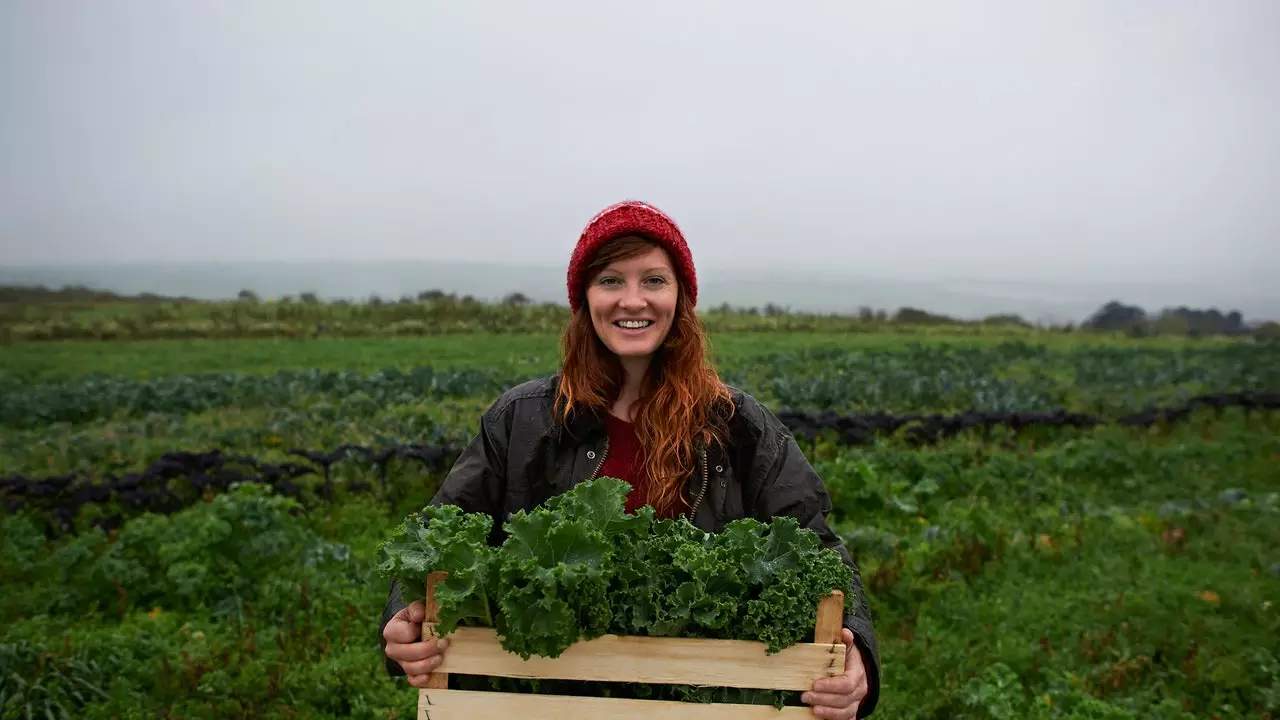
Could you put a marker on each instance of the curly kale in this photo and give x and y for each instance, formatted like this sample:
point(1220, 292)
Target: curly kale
point(450, 541)
point(580, 566)
point(556, 565)
point(752, 581)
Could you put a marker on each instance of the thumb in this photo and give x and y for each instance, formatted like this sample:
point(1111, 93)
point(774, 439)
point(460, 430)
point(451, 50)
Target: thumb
point(402, 629)
point(417, 611)
point(411, 613)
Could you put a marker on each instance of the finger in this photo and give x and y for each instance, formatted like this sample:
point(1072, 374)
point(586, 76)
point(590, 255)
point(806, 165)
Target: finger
point(417, 611)
point(423, 667)
point(416, 651)
point(401, 631)
point(858, 676)
point(834, 713)
point(853, 681)
point(829, 700)
point(418, 681)
point(849, 713)
point(838, 684)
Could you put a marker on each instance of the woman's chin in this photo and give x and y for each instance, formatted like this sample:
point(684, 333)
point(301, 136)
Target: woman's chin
point(632, 347)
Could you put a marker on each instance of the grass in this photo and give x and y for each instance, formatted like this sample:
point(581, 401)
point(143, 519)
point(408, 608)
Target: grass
point(47, 361)
point(1068, 575)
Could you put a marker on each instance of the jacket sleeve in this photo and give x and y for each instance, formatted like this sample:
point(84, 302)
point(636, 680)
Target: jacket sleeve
point(788, 485)
point(475, 483)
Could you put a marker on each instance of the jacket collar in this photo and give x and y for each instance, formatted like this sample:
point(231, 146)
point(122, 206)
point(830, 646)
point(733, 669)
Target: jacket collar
point(584, 424)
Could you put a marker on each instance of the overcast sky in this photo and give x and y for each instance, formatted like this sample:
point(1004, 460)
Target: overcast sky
point(1005, 140)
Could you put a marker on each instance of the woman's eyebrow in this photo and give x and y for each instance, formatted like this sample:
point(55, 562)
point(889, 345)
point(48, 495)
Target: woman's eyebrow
point(661, 269)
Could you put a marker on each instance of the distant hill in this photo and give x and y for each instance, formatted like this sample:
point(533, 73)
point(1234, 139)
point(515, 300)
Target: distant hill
point(826, 290)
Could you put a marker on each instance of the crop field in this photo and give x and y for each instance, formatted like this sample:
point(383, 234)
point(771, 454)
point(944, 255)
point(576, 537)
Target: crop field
point(1048, 525)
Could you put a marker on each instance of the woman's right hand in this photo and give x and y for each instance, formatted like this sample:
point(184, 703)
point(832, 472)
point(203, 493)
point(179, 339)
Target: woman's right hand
point(418, 657)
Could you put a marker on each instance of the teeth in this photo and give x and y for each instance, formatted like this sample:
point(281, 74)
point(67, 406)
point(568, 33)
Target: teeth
point(633, 324)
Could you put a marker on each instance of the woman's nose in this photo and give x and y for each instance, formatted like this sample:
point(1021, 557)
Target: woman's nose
point(632, 301)
point(632, 298)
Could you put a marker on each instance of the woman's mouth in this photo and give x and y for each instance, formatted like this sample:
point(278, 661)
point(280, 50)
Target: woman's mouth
point(633, 326)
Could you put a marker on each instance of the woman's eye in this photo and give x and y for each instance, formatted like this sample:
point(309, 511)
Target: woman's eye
point(654, 280)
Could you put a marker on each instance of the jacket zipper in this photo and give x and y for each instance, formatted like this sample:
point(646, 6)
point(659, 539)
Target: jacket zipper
point(603, 455)
point(694, 511)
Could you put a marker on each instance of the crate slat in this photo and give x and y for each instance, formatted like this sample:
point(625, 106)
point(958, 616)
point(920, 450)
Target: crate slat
point(435, 680)
point(830, 624)
point(683, 661)
point(470, 704)
point(665, 660)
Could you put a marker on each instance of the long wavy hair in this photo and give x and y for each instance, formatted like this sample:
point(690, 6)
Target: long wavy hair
point(682, 405)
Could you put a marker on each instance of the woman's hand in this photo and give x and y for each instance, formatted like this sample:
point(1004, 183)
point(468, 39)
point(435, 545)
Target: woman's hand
point(404, 644)
point(839, 697)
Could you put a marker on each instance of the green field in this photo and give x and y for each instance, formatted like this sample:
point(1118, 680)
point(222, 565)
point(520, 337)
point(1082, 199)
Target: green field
point(1114, 572)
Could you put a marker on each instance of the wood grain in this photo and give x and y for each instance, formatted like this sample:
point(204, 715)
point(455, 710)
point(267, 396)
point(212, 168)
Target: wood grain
point(615, 658)
point(469, 705)
point(440, 678)
point(830, 623)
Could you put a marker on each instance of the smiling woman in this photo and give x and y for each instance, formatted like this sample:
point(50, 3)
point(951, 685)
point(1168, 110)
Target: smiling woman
point(637, 399)
point(651, 382)
point(632, 298)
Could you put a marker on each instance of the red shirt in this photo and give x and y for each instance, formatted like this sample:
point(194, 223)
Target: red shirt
point(625, 460)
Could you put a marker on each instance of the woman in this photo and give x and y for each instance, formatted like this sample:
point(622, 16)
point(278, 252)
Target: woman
point(637, 400)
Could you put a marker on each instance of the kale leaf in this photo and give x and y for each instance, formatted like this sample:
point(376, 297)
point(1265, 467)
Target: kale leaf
point(450, 541)
point(580, 566)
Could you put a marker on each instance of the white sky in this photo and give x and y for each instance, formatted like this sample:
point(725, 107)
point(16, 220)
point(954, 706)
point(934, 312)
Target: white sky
point(1072, 141)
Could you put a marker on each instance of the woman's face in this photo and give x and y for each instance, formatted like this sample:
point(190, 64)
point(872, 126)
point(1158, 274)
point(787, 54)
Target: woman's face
point(633, 303)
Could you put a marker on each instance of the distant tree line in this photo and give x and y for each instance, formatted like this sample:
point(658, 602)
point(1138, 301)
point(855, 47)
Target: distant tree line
point(32, 294)
point(310, 298)
point(1193, 322)
point(1114, 317)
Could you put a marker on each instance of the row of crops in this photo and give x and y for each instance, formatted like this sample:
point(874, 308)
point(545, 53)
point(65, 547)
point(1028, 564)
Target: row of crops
point(1004, 378)
point(1092, 580)
point(424, 316)
point(1072, 533)
point(1007, 377)
point(921, 429)
point(179, 479)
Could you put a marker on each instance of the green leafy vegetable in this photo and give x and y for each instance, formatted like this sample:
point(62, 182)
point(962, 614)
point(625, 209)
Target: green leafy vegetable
point(580, 566)
point(449, 541)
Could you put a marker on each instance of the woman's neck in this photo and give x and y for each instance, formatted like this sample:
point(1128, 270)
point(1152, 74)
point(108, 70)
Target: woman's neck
point(634, 370)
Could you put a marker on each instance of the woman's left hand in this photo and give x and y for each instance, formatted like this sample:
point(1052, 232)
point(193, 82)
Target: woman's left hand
point(839, 696)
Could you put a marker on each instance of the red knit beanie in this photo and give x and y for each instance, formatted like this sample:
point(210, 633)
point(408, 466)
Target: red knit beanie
point(630, 217)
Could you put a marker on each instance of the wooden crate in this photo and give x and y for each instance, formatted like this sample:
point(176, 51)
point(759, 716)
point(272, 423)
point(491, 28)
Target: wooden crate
point(614, 658)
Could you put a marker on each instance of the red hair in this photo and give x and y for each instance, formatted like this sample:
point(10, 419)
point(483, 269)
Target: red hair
point(682, 403)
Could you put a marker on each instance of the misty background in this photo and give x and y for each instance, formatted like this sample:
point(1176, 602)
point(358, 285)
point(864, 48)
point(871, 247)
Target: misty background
point(967, 158)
